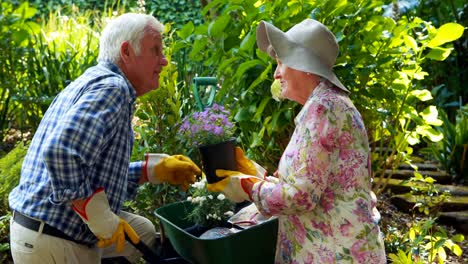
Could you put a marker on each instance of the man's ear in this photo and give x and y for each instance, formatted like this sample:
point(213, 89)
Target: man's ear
point(126, 51)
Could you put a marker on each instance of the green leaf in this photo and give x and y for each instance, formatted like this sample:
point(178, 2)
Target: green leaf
point(423, 95)
point(456, 250)
point(429, 132)
point(216, 27)
point(446, 33)
point(260, 109)
point(198, 46)
point(25, 11)
point(246, 66)
point(186, 30)
point(248, 42)
point(430, 115)
point(458, 238)
point(439, 54)
point(413, 138)
point(409, 41)
point(243, 115)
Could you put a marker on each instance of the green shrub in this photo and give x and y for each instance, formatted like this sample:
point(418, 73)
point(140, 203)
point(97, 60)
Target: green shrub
point(10, 169)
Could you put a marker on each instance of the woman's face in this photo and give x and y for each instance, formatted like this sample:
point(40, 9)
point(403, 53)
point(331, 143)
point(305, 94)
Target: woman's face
point(295, 85)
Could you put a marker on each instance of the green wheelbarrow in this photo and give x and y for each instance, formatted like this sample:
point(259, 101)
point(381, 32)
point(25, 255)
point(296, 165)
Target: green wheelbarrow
point(253, 245)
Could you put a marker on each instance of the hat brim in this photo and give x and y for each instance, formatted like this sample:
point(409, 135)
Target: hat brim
point(276, 44)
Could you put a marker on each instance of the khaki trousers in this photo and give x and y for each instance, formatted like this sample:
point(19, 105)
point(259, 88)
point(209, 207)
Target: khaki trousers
point(29, 246)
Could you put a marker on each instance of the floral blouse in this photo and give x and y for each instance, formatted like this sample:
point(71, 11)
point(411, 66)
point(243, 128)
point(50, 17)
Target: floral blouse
point(323, 196)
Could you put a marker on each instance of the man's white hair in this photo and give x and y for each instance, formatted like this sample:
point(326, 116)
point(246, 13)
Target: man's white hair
point(127, 27)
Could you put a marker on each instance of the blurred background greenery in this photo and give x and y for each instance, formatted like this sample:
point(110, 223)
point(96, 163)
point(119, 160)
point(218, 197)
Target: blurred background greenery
point(404, 61)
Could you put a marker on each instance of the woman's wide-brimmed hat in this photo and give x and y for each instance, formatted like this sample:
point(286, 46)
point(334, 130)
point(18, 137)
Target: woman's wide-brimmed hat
point(308, 46)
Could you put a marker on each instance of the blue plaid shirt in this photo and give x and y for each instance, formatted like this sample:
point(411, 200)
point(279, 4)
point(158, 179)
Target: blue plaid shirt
point(83, 142)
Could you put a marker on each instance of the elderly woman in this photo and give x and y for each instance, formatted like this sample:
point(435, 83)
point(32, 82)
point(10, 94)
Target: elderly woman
point(322, 196)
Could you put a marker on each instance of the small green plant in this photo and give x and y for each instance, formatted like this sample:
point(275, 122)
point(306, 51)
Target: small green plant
point(425, 242)
point(428, 196)
point(211, 209)
point(5, 238)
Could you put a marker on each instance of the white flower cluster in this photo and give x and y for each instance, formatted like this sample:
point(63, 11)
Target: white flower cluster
point(200, 184)
point(200, 199)
point(214, 216)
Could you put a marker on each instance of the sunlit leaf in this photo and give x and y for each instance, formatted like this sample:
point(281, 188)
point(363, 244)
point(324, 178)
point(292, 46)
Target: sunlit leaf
point(430, 133)
point(446, 33)
point(413, 138)
point(430, 115)
point(409, 41)
point(423, 95)
point(25, 11)
point(458, 238)
point(439, 54)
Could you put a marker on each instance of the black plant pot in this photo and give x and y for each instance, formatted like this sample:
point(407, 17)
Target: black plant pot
point(217, 156)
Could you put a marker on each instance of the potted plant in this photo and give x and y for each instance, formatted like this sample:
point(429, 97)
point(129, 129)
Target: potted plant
point(211, 131)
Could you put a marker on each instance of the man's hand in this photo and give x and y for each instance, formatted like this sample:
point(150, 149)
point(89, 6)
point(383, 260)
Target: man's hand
point(176, 170)
point(236, 186)
point(106, 225)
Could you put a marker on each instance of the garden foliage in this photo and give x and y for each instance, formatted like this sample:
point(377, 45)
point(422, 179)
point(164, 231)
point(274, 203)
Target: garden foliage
point(389, 63)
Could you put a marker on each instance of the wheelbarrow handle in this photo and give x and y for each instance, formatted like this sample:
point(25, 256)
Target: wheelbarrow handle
point(148, 254)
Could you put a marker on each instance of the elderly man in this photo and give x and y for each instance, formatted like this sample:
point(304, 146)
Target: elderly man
point(77, 172)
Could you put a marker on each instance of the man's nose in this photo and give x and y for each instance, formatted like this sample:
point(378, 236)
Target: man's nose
point(164, 61)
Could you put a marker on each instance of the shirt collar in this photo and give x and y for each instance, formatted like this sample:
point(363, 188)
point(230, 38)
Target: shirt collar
point(115, 69)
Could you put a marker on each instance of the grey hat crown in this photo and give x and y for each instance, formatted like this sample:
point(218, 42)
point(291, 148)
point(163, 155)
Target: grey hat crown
point(308, 46)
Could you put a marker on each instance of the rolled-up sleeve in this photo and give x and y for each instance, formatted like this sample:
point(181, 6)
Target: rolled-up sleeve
point(134, 175)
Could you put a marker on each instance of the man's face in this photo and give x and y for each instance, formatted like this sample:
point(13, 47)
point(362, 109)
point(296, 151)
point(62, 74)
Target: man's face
point(144, 69)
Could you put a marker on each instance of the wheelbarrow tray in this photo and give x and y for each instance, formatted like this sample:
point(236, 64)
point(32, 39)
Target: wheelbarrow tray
point(254, 245)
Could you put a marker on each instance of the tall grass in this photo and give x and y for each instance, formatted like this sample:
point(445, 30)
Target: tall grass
point(38, 68)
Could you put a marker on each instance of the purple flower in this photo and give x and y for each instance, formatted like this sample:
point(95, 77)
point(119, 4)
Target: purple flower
point(210, 126)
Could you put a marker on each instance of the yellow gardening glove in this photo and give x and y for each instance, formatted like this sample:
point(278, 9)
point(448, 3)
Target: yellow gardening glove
point(247, 166)
point(176, 170)
point(105, 224)
point(236, 186)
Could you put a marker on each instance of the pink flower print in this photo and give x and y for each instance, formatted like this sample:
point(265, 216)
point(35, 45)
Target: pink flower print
point(303, 199)
point(359, 251)
point(346, 154)
point(326, 255)
point(309, 258)
point(344, 228)
point(362, 211)
point(275, 200)
point(318, 110)
point(328, 200)
point(346, 178)
point(327, 136)
point(345, 139)
point(323, 227)
point(300, 231)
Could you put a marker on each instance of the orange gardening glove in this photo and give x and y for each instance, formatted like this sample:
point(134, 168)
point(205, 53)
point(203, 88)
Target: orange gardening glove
point(233, 185)
point(176, 170)
point(247, 166)
point(105, 224)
